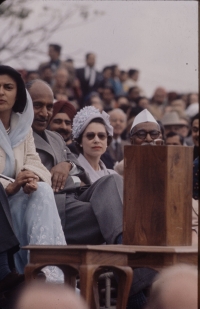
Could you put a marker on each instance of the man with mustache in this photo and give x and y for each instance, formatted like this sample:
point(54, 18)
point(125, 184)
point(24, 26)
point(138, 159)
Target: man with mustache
point(145, 129)
point(61, 121)
point(87, 216)
point(91, 215)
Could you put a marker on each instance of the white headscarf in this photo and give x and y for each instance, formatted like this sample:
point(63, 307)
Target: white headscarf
point(20, 125)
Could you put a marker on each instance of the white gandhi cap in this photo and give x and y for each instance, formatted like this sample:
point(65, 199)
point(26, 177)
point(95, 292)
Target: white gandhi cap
point(144, 116)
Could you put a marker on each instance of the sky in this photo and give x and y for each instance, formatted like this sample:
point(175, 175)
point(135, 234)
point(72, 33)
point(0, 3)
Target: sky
point(160, 38)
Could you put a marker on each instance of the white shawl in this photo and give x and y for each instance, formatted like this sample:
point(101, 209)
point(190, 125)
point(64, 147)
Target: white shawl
point(94, 175)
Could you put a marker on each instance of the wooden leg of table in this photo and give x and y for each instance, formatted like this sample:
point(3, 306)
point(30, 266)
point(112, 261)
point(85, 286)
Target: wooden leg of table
point(86, 273)
point(125, 275)
point(31, 272)
point(70, 275)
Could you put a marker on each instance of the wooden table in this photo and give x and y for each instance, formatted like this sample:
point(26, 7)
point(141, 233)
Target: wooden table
point(89, 261)
point(86, 261)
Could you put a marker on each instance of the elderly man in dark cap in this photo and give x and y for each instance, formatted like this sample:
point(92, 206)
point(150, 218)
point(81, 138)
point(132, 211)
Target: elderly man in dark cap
point(61, 121)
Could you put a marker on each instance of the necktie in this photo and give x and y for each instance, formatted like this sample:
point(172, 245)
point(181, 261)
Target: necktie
point(117, 151)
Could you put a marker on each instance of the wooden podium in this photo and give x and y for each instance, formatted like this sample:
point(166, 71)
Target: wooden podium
point(157, 195)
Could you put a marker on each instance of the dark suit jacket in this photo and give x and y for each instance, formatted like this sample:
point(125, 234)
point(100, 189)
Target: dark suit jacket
point(52, 152)
point(85, 87)
point(112, 152)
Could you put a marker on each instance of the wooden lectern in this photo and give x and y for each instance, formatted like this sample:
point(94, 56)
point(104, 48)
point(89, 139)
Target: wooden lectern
point(157, 195)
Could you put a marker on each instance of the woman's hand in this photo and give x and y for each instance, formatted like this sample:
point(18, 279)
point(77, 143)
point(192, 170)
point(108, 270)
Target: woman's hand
point(23, 178)
point(31, 186)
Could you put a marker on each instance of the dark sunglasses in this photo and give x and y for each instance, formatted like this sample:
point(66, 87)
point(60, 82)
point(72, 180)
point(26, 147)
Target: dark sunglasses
point(91, 135)
point(141, 134)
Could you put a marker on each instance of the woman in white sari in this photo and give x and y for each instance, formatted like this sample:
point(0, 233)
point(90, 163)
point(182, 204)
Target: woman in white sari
point(92, 133)
point(25, 180)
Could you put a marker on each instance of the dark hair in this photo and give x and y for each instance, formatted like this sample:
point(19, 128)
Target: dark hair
point(21, 98)
point(194, 118)
point(131, 72)
point(132, 88)
point(47, 66)
point(171, 134)
point(56, 47)
point(88, 55)
point(69, 60)
point(106, 68)
point(109, 88)
point(134, 111)
point(79, 139)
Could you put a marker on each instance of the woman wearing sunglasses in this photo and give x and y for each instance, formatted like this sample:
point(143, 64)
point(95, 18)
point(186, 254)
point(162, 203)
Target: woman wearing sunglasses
point(92, 133)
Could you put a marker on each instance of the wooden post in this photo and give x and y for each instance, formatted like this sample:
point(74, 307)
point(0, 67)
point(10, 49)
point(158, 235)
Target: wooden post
point(157, 195)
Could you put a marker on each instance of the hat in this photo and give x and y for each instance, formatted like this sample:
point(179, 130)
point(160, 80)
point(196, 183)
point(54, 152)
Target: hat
point(85, 116)
point(192, 110)
point(64, 107)
point(171, 118)
point(20, 102)
point(144, 116)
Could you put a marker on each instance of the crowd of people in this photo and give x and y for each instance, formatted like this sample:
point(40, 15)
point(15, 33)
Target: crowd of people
point(63, 132)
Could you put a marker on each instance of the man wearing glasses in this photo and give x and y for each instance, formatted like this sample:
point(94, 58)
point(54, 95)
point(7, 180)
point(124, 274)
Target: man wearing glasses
point(145, 130)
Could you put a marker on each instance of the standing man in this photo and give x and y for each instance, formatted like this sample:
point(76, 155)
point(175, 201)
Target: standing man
point(88, 76)
point(54, 61)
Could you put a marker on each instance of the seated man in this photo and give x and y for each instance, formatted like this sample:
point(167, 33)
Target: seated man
point(118, 121)
point(175, 139)
point(145, 130)
point(61, 121)
point(87, 216)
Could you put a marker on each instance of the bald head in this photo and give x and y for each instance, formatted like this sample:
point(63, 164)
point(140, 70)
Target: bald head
point(175, 288)
point(118, 120)
point(43, 295)
point(42, 97)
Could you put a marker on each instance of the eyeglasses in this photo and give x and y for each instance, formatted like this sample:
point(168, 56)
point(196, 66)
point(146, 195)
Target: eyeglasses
point(142, 134)
point(91, 135)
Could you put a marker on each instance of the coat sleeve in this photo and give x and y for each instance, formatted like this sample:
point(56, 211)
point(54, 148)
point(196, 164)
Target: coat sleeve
point(32, 160)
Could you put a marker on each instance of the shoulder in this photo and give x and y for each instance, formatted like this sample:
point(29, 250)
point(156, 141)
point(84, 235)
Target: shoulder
point(54, 135)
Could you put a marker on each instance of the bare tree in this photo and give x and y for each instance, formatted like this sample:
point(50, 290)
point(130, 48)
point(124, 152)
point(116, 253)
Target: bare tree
point(20, 40)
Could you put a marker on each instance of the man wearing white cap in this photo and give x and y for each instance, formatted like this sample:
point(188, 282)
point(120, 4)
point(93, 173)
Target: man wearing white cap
point(145, 129)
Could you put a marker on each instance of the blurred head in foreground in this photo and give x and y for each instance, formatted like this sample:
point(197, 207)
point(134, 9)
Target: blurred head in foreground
point(175, 288)
point(51, 296)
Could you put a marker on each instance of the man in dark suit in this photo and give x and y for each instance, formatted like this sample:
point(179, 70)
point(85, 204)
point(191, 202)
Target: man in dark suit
point(88, 216)
point(88, 76)
point(116, 147)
